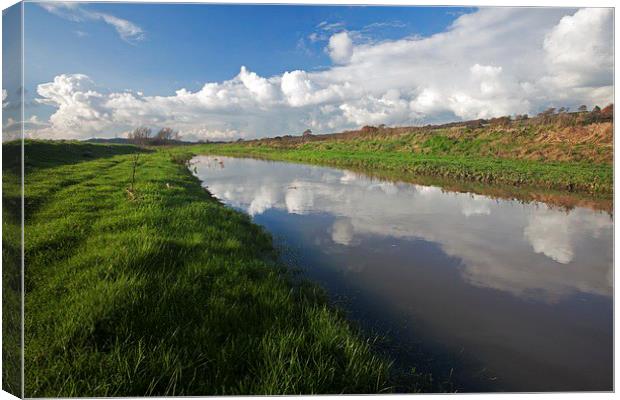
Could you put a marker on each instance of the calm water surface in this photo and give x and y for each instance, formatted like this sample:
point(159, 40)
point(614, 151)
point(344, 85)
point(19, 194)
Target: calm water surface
point(491, 294)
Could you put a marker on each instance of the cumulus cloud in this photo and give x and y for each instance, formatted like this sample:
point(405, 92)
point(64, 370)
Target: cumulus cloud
point(496, 61)
point(578, 50)
point(127, 30)
point(340, 47)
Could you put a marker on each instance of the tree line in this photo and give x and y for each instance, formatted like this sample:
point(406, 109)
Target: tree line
point(144, 136)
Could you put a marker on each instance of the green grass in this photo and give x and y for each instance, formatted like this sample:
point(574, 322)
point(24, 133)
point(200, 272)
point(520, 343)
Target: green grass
point(11, 270)
point(169, 293)
point(437, 158)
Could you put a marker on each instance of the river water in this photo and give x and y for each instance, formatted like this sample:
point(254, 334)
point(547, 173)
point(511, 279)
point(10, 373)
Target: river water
point(486, 294)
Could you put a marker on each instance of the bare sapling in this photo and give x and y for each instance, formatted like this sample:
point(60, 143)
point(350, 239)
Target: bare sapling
point(139, 136)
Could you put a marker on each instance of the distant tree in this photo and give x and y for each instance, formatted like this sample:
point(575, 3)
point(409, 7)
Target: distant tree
point(140, 135)
point(166, 135)
point(582, 108)
point(594, 115)
point(307, 132)
point(548, 111)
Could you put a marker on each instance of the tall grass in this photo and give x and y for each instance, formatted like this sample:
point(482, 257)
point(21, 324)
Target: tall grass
point(169, 293)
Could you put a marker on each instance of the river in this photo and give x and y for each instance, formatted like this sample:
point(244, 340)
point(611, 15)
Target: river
point(486, 294)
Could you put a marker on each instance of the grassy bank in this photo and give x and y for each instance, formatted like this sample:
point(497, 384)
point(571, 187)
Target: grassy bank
point(11, 269)
point(577, 159)
point(165, 291)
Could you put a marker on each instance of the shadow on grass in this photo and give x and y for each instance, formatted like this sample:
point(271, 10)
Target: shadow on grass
point(39, 154)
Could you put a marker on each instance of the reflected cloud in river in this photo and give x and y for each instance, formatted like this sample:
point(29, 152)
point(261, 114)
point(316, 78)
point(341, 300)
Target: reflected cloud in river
point(528, 250)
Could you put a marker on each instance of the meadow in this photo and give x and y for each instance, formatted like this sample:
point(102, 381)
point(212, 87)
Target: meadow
point(162, 290)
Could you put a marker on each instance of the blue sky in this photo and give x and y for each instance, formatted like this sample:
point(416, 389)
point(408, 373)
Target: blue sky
point(229, 71)
point(188, 45)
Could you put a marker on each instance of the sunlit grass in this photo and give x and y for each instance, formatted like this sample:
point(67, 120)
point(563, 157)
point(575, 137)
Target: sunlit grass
point(167, 292)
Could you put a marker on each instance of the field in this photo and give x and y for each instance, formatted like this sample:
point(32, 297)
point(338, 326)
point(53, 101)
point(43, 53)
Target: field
point(576, 159)
point(164, 291)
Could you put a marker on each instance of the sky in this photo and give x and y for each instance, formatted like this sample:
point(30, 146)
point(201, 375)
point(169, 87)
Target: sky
point(223, 72)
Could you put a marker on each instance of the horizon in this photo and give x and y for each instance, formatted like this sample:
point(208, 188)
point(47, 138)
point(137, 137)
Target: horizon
point(100, 70)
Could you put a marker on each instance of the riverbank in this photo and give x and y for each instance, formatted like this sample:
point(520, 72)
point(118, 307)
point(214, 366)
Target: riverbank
point(164, 291)
point(575, 160)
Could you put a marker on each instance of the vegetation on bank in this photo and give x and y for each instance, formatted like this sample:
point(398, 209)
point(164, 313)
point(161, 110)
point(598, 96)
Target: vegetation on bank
point(164, 291)
point(567, 152)
point(579, 177)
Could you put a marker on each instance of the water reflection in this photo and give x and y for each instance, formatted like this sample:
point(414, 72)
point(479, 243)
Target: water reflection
point(384, 237)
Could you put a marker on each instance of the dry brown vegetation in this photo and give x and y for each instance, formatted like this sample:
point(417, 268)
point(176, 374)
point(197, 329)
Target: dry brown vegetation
point(550, 136)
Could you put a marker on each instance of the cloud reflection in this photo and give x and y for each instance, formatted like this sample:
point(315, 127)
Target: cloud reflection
point(527, 250)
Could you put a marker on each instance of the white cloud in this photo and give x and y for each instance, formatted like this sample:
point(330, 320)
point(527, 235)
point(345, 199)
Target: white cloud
point(12, 129)
point(261, 88)
point(496, 61)
point(331, 26)
point(340, 47)
point(127, 30)
point(66, 10)
point(578, 49)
